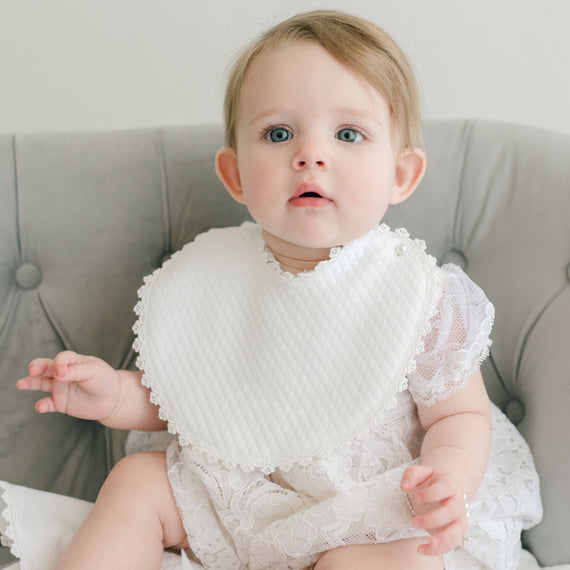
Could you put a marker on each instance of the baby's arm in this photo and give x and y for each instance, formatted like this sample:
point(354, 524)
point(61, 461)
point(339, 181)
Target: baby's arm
point(453, 461)
point(87, 387)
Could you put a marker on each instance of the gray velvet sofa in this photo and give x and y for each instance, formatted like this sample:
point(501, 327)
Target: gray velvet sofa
point(83, 217)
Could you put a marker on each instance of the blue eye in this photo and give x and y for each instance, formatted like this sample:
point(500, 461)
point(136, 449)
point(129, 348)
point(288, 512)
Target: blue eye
point(278, 134)
point(349, 135)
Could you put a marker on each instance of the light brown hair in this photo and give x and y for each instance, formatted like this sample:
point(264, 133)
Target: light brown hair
point(360, 46)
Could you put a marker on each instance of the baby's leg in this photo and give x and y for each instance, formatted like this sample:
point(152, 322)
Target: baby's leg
point(134, 518)
point(397, 555)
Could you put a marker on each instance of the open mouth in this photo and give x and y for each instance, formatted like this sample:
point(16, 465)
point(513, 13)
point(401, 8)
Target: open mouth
point(310, 196)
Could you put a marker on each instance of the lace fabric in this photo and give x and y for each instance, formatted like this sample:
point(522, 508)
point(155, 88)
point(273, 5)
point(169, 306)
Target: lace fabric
point(508, 502)
point(238, 520)
point(458, 341)
point(7, 537)
point(286, 520)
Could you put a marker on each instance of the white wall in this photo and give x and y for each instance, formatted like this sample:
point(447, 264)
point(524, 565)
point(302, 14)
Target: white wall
point(99, 64)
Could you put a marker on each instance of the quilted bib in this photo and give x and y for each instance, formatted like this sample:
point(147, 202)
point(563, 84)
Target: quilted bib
point(261, 369)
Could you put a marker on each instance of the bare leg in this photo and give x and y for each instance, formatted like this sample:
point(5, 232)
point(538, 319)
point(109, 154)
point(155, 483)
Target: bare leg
point(134, 518)
point(397, 555)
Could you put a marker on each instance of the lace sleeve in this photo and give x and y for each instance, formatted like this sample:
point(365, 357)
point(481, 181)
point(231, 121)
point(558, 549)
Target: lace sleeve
point(458, 342)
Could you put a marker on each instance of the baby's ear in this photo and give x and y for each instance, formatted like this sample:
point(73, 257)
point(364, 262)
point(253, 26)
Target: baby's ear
point(410, 169)
point(228, 172)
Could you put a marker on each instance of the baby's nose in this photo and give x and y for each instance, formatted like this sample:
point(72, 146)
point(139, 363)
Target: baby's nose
point(309, 155)
point(302, 163)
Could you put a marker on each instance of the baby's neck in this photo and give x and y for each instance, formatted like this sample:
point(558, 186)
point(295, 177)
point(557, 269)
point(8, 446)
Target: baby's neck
point(295, 266)
point(295, 259)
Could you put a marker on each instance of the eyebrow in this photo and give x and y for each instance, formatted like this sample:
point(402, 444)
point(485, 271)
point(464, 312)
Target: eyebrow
point(356, 112)
point(340, 111)
point(260, 117)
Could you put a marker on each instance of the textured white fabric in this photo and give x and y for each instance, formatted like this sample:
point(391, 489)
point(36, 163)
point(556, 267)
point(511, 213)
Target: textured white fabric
point(262, 359)
point(248, 519)
point(238, 519)
point(37, 526)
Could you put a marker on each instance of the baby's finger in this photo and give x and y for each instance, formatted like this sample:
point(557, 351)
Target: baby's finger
point(63, 362)
point(72, 367)
point(433, 548)
point(41, 366)
point(435, 492)
point(45, 405)
point(414, 476)
point(39, 383)
point(430, 548)
point(447, 513)
point(444, 541)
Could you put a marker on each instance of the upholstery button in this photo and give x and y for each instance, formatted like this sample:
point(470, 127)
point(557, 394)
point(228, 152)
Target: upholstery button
point(456, 257)
point(28, 276)
point(514, 410)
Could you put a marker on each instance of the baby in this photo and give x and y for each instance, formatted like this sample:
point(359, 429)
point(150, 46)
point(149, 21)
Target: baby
point(320, 371)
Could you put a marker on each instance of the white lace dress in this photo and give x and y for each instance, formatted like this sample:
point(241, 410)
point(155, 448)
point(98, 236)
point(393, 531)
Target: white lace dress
point(285, 517)
point(247, 519)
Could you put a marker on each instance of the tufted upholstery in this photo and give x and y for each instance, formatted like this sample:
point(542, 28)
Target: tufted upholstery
point(83, 217)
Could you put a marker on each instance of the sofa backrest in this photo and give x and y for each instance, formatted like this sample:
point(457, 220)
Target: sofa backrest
point(83, 217)
point(496, 200)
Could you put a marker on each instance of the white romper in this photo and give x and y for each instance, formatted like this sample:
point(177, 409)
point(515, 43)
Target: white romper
point(293, 398)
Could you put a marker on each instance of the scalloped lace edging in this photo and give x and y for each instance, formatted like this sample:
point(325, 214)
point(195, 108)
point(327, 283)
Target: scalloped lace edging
point(481, 348)
point(138, 346)
point(147, 380)
point(7, 537)
point(430, 308)
point(272, 262)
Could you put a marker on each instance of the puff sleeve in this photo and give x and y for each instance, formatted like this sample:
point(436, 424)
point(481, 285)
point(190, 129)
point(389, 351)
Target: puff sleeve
point(457, 343)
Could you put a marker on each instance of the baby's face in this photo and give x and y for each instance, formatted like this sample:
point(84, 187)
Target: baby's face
point(315, 155)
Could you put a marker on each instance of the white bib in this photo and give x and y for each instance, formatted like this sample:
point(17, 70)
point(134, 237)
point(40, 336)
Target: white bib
point(260, 369)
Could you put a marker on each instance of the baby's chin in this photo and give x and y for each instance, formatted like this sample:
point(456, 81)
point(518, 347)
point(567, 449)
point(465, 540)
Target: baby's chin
point(315, 242)
point(332, 242)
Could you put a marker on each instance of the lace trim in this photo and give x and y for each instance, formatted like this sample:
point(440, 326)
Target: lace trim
point(484, 347)
point(213, 455)
point(7, 537)
point(334, 253)
point(484, 342)
point(288, 276)
point(465, 362)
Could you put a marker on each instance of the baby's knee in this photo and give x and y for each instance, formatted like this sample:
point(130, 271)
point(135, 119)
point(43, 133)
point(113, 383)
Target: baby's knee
point(137, 465)
point(138, 475)
point(138, 493)
point(352, 556)
point(397, 555)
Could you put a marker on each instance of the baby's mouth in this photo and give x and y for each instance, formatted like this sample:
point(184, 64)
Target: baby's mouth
point(310, 195)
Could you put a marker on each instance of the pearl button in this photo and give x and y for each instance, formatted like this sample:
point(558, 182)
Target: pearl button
point(28, 276)
point(515, 411)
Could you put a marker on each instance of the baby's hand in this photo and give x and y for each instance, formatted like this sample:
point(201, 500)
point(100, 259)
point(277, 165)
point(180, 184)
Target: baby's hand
point(440, 507)
point(81, 386)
